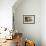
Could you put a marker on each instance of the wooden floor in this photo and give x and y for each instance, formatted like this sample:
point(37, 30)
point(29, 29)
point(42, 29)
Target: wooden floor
point(9, 43)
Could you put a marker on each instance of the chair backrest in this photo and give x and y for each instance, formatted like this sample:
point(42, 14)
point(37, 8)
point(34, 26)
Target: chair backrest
point(29, 43)
point(18, 37)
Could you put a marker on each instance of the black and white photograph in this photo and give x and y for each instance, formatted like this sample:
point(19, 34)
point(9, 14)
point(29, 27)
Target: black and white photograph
point(29, 19)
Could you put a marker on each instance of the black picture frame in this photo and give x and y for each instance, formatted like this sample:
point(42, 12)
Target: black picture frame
point(28, 19)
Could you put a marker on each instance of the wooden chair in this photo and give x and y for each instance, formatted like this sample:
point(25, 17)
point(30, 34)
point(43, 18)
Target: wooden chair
point(29, 43)
point(18, 39)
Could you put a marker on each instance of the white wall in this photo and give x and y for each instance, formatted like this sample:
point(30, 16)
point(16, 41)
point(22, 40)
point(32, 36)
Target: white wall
point(6, 13)
point(31, 31)
point(43, 22)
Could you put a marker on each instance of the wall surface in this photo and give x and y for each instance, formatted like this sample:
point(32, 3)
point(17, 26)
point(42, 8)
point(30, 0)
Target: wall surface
point(30, 31)
point(43, 22)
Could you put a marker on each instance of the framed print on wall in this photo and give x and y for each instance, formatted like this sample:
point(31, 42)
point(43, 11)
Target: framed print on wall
point(28, 19)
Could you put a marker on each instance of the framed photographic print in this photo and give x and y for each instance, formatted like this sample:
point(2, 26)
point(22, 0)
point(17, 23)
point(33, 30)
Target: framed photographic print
point(29, 19)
